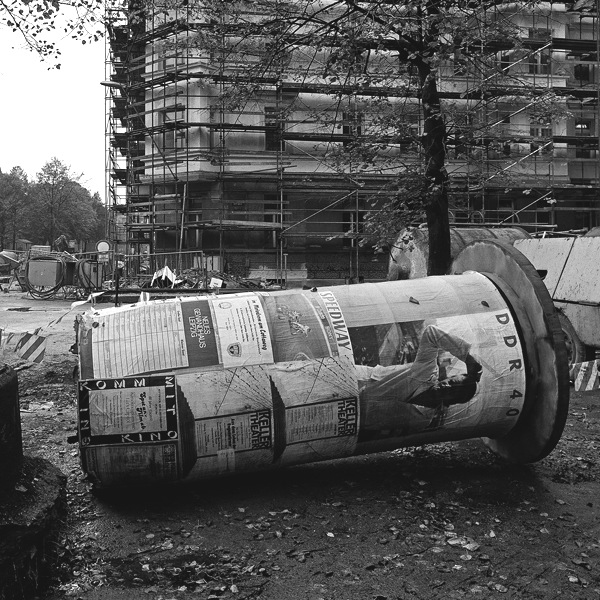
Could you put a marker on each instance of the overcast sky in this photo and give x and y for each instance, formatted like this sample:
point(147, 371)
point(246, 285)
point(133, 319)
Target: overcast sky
point(53, 113)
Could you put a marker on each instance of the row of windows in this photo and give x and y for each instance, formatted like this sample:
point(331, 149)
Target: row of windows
point(352, 125)
point(538, 63)
point(176, 139)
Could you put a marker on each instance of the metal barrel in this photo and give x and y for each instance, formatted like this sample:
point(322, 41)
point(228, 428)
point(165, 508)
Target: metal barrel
point(193, 388)
point(409, 254)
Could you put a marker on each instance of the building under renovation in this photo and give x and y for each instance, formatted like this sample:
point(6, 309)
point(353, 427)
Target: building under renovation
point(260, 173)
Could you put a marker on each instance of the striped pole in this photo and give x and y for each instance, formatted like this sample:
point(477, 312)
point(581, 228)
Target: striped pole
point(585, 376)
point(31, 347)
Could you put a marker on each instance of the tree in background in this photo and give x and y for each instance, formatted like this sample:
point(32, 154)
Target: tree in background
point(59, 205)
point(13, 197)
point(99, 231)
point(37, 22)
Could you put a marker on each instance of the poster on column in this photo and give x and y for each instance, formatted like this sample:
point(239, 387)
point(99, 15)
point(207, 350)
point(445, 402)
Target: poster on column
point(147, 338)
point(242, 330)
point(134, 429)
point(429, 375)
point(268, 416)
point(299, 328)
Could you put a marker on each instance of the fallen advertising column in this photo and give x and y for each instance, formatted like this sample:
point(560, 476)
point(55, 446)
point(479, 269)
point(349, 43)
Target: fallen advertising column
point(192, 388)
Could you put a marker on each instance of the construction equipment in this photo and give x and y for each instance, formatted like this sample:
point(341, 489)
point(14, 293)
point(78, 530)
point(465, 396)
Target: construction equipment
point(570, 268)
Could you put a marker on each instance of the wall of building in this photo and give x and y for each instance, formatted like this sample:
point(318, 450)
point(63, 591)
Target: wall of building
point(257, 180)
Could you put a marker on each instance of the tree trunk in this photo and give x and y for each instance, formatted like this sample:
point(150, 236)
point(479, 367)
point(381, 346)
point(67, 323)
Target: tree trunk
point(436, 209)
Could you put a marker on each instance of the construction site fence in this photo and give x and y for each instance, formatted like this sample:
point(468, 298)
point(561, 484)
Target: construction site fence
point(192, 262)
point(176, 261)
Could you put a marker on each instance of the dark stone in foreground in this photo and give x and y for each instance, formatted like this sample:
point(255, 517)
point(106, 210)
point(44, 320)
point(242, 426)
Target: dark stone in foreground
point(11, 444)
point(31, 513)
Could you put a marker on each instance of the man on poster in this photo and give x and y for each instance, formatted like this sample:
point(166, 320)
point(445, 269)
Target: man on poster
point(411, 397)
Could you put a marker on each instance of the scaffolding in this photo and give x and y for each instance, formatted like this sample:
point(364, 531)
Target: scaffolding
point(538, 123)
point(263, 188)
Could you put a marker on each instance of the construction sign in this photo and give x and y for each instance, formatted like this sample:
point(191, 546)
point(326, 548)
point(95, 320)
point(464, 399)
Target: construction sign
point(585, 376)
point(28, 346)
point(31, 346)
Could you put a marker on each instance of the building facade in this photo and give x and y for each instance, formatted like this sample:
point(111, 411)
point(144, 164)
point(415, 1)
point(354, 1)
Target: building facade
point(264, 173)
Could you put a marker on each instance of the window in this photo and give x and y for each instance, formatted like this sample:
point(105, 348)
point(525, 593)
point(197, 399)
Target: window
point(543, 135)
point(503, 116)
point(463, 124)
point(273, 130)
point(414, 130)
point(544, 147)
point(172, 62)
point(460, 64)
point(504, 61)
point(272, 214)
point(350, 226)
point(582, 73)
point(174, 139)
point(539, 64)
point(216, 141)
point(351, 124)
point(174, 133)
point(585, 152)
point(541, 132)
point(540, 33)
point(238, 211)
point(584, 127)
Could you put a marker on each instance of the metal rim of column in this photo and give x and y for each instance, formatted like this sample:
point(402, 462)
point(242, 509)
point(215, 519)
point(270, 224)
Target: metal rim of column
point(546, 404)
